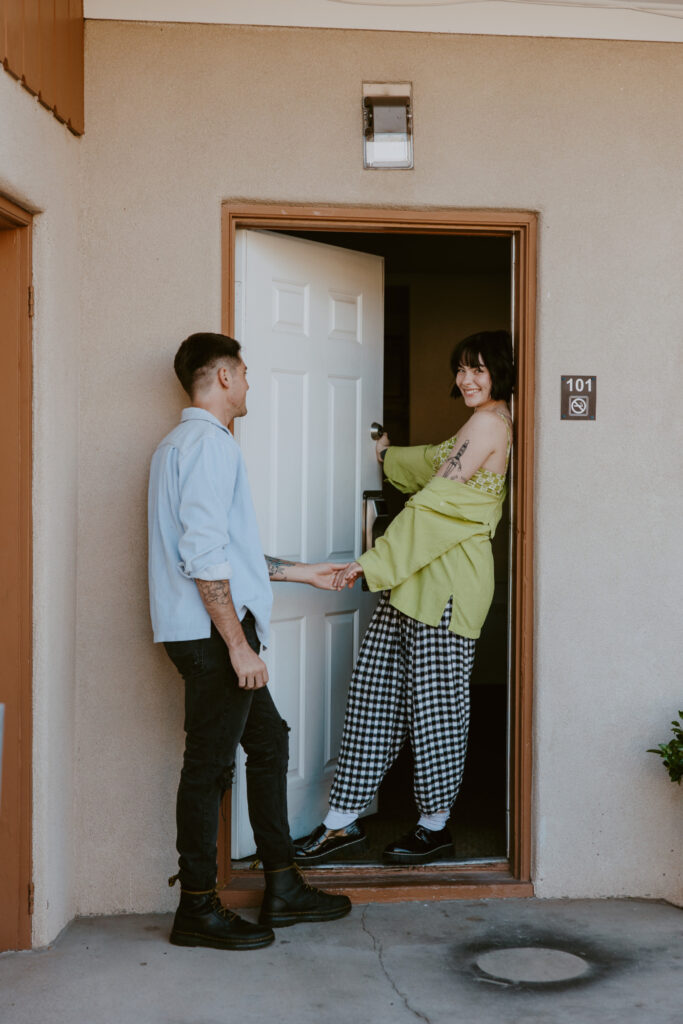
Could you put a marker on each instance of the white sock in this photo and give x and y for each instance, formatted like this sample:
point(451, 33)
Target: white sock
point(434, 822)
point(339, 819)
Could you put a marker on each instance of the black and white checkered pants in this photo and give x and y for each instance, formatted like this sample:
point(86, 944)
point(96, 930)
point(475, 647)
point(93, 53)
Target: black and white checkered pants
point(410, 679)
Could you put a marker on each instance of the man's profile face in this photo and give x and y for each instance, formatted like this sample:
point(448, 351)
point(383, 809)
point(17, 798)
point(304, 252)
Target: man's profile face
point(239, 387)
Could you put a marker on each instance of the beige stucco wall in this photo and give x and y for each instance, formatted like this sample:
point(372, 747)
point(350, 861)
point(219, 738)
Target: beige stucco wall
point(39, 170)
point(587, 133)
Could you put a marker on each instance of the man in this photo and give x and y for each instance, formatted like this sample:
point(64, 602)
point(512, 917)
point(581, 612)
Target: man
point(210, 599)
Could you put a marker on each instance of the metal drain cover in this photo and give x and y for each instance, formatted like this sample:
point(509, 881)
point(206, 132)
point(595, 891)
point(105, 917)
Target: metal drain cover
point(532, 964)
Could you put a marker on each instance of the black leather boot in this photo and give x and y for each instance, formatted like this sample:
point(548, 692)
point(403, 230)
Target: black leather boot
point(289, 899)
point(202, 920)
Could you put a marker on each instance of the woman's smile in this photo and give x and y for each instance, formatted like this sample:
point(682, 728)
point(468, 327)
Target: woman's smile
point(474, 383)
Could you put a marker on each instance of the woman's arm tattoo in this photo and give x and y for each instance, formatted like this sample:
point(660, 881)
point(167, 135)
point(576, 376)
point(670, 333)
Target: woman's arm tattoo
point(452, 467)
point(276, 567)
point(215, 591)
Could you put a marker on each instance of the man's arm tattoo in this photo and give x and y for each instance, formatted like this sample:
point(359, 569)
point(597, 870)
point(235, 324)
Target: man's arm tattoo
point(215, 591)
point(452, 468)
point(276, 567)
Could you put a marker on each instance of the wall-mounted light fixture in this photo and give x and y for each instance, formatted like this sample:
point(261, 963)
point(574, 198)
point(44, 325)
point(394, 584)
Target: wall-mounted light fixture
point(387, 124)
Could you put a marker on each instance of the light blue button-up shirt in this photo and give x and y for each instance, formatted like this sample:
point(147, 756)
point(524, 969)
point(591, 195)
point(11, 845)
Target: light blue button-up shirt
point(202, 526)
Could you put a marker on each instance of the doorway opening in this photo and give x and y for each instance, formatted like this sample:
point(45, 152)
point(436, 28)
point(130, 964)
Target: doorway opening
point(437, 290)
point(447, 274)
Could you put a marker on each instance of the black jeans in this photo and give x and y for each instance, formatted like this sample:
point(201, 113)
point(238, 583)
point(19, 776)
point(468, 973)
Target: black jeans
point(218, 716)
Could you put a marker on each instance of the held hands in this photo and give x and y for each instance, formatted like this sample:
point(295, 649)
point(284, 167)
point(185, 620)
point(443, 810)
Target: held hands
point(322, 575)
point(347, 575)
point(328, 575)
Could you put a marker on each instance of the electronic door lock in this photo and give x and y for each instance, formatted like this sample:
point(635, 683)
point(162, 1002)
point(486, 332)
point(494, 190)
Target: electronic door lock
point(375, 520)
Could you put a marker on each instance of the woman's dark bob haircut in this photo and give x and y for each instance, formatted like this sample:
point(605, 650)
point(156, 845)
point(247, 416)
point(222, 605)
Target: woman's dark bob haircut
point(494, 350)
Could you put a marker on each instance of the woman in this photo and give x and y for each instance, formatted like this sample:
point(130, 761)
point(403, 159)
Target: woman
point(435, 567)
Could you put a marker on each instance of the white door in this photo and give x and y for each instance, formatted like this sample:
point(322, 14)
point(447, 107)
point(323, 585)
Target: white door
point(310, 319)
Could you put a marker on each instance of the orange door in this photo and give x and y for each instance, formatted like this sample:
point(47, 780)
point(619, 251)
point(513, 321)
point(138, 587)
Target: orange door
point(15, 577)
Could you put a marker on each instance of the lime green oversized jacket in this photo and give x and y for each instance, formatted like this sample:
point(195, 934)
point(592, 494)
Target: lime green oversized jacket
point(439, 545)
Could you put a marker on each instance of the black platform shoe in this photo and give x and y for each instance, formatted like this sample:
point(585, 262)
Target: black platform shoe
point(290, 900)
point(421, 846)
point(327, 843)
point(202, 920)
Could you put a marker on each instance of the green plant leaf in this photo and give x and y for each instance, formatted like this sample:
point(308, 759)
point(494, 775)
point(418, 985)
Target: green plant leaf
point(672, 752)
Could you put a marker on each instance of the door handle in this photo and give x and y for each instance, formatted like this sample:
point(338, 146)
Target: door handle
point(376, 430)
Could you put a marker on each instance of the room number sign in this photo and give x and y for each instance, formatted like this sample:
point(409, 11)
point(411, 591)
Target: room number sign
point(578, 396)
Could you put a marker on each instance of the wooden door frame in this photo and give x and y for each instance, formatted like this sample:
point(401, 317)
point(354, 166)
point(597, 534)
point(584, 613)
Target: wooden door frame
point(498, 878)
point(12, 217)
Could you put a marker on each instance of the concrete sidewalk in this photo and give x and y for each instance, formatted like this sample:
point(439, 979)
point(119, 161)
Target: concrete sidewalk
point(395, 963)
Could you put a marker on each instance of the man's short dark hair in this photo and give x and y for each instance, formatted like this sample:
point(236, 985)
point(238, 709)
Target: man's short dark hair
point(198, 355)
point(495, 350)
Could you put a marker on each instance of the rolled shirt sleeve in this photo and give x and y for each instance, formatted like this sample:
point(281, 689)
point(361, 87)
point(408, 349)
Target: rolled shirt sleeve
point(206, 477)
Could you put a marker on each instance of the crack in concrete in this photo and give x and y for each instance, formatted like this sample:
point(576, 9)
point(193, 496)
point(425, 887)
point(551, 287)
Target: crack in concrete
point(378, 949)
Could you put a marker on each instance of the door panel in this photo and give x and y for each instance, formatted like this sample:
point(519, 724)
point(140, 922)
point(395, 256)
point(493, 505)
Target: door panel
point(310, 319)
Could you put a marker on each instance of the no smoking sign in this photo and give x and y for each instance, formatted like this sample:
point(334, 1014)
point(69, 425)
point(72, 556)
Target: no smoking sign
point(578, 396)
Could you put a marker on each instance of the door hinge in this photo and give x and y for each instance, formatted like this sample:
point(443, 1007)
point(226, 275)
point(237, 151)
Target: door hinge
point(30, 898)
point(30, 300)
